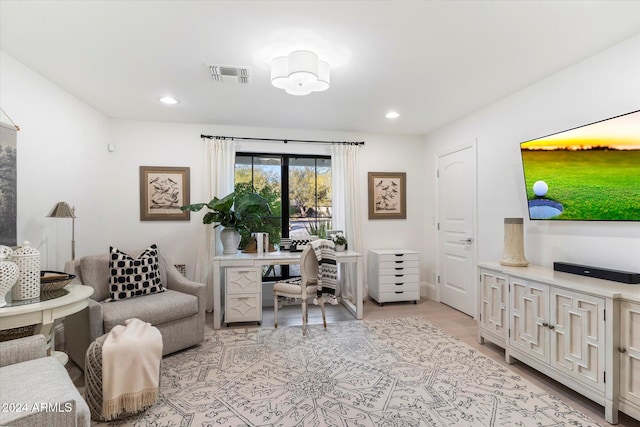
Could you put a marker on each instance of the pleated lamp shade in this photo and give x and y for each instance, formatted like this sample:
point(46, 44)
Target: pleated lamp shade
point(61, 210)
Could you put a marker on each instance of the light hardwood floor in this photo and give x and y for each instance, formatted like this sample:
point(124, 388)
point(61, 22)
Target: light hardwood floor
point(457, 324)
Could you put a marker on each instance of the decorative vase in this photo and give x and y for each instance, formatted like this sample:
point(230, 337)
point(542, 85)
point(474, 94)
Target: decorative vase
point(514, 243)
point(28, 261)
point(340, 248)
point(8, 276)
point(6, 250)
point(230, 238)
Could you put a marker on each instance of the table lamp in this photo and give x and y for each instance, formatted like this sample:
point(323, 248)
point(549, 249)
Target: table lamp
point(63, 210)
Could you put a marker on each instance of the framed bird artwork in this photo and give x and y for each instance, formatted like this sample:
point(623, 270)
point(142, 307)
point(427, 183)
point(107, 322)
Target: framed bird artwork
point(163, 189)
point(387, 195)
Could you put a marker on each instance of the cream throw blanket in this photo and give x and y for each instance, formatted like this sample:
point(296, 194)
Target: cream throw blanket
point(131, 357)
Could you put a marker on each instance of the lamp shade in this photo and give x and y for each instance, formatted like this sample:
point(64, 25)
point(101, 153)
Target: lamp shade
point(303, 67)
point(300, 73)
point(62, 210)
point(280, 72)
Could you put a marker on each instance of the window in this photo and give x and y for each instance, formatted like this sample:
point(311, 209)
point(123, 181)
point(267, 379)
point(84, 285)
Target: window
point(300, 183)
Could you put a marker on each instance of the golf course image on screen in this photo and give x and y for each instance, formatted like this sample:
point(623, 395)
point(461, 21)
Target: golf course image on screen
point(587, 173)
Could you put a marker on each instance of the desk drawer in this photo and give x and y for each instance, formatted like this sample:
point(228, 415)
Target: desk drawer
point(385, 265)
point(399, 272)
point(399, 296)
point(401, 278)
point(398, 287)
point(243, 280)
point(399, 257)
point(243, 308)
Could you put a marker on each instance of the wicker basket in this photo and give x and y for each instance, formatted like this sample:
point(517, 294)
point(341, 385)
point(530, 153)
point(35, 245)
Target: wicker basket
point(15, 333)
point(54, 280)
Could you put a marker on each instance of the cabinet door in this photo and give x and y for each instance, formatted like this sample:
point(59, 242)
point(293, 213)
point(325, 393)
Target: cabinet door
point(630, 358)
point(527, 323)
point(494, 294)
point(576, 324)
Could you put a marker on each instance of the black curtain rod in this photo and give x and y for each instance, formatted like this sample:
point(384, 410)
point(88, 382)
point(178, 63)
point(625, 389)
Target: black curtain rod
point(281, 140)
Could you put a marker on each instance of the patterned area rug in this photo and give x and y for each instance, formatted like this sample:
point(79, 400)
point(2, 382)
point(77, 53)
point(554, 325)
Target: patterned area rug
point(393, 372)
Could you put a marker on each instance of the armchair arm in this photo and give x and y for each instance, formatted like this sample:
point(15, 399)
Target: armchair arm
point(179, 283)
point(65, 416)
point(81, 328)
point(22, 349)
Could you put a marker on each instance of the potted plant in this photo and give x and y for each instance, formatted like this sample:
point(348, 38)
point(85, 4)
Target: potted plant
point(339, 241)
point(235, 213)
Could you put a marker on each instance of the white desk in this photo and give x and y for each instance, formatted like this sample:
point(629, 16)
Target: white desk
point(44, 313)
point(281, 258)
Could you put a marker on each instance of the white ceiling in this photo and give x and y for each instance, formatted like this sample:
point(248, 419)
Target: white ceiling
point(432, 61)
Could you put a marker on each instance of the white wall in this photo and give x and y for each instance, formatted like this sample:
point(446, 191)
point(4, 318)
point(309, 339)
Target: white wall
point(603, 86)
point(61, 157)
point(140, 143)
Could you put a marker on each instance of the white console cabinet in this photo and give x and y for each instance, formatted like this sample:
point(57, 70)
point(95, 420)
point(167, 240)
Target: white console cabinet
point(629, 351)
point(494, 301)
point(243, 295)
point(393, 275)
point(580, 331)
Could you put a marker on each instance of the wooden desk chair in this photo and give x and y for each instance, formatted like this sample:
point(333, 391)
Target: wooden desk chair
point(301, 288)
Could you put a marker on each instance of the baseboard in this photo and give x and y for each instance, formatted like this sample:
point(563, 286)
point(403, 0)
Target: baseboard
point(428, 290)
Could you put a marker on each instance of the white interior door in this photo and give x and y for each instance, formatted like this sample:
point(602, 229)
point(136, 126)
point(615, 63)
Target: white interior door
point(456, 230)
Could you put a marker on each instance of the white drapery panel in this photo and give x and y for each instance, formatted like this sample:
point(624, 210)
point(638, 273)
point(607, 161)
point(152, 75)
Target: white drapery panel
point(345, 189)
point(219, 168)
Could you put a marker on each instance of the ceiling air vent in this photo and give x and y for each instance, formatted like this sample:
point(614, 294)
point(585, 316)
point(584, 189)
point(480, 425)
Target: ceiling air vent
point(231, 74)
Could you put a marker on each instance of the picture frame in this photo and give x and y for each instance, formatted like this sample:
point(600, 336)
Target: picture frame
point(163, 189)
point(387, 195)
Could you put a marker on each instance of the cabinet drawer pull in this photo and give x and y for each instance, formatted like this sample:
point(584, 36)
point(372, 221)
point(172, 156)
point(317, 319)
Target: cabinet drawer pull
point(622, 350)
point(399, 268)
point(551, 327)
point(399, 275)
point(399, 254)
point(399, 292)
point(545, 324)
point(399, 262)
point(399, 284)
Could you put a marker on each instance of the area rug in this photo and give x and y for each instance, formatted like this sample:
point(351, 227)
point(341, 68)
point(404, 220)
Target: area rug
point(392, 372)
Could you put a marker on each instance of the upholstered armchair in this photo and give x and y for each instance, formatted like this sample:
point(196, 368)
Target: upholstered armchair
point(178, 312)
point(36, 390)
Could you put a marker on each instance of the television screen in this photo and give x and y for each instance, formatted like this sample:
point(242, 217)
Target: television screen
point(588, 173)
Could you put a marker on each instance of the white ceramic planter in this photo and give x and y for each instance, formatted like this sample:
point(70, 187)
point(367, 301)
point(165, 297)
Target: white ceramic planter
point(230, 238)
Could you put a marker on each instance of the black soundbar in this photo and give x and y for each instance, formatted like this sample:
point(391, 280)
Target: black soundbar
point(600, 273)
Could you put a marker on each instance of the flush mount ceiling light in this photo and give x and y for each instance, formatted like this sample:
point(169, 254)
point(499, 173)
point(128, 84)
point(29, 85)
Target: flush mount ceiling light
point(300, 73)
point(392, 115)
point(168, 100)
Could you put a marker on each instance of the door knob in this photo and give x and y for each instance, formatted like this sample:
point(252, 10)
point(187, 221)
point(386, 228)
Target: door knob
point(622, 350)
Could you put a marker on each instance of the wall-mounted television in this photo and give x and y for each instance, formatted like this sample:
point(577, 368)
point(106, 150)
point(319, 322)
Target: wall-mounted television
point(589, 173)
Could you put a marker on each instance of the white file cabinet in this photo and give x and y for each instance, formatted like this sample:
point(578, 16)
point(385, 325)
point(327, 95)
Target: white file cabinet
point(394, 275)
point(243, 295)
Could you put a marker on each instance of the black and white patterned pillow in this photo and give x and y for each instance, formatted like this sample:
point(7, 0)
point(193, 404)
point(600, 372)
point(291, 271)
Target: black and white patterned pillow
point(130, 277)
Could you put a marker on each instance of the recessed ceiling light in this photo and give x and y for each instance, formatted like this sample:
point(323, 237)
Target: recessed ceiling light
point(168, 100)
point(392, 115)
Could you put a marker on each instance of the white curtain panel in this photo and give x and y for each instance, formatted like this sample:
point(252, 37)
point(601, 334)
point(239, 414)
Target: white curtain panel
point(345, 188)
point(219, 168)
